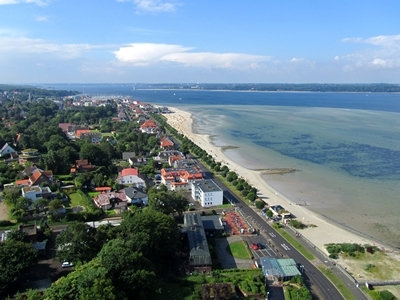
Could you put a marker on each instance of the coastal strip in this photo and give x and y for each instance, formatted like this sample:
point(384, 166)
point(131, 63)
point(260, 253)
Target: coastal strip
point(324, 231)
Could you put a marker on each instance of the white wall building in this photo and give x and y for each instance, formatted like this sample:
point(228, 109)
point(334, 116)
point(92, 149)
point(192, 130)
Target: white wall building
point(207, 192)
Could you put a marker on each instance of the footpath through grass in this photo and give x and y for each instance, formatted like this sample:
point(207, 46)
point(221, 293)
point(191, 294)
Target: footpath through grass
point(238, 249)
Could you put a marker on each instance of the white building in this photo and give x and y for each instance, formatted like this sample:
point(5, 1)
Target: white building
point(35, 192)
point(207, 192)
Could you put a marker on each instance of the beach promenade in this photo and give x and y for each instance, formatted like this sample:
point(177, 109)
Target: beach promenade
point(324, 231)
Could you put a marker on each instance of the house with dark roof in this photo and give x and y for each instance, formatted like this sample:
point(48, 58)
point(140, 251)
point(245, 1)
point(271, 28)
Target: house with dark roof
point(207, 192)
point(6, 150)
point(128, 155)
point(136, 196)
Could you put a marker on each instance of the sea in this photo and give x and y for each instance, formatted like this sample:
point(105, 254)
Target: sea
point(345, 147)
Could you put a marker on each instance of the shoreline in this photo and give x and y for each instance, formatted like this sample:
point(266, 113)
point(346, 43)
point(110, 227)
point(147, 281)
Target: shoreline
point(326, 230)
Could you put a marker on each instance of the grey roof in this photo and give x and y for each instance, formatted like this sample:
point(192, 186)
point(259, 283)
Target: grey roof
point(199, 252)
point(285, 267)
point(134, 193)
point(212, 222)
point(128, 155)
point(207, 185)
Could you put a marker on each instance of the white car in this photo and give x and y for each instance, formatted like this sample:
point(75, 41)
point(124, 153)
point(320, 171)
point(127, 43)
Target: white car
point(66, 264)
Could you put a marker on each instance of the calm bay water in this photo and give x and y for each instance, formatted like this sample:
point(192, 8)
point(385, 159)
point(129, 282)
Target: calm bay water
point(346, 147)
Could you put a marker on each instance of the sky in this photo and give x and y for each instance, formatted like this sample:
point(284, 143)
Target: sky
point(204, 41)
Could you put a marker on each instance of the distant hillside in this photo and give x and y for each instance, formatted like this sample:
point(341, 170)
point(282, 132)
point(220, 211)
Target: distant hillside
point(35, 92)
point(284, 87)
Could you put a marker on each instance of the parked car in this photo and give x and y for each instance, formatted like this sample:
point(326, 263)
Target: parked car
point(260, 246)
point(254, 246)
point(66, 264)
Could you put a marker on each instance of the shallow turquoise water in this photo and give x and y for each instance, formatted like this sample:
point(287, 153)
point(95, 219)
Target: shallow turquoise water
point(348, 161)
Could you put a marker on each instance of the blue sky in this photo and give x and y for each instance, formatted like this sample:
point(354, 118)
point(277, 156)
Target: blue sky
point(253, 41)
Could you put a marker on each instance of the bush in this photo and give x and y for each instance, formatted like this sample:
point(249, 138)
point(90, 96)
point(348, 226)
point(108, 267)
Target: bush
point(297, 224)
point(4, 223)
point(260, 204)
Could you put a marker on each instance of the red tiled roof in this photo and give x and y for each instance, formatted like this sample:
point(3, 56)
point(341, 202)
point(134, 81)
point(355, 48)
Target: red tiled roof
point(79, 132)
point(102, 188)
point(22, 182)
point(129, 172)
point(35, 175)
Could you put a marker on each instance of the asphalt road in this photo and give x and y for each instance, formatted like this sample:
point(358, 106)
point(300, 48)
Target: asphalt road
point(319, 285)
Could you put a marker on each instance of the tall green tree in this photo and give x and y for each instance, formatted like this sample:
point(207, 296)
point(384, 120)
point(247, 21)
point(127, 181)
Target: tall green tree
point(77, 243)
point(15, 257)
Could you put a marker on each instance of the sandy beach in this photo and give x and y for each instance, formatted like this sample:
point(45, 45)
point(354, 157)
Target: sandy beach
point(325, 232)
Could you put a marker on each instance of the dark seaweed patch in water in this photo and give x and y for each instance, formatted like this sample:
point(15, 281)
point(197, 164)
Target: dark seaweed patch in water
point(249, 136)
point(359, 160)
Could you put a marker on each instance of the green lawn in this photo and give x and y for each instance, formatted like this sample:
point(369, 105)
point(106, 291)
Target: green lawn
point(346, 293)
point(93, 194)
point(76, 199)
point(238, 249)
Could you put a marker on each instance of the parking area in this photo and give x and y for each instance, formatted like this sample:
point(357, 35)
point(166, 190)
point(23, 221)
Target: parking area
point(266, 249)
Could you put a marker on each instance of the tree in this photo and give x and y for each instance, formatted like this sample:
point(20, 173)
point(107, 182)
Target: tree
point(56, 204)
point(15, 256)
point(88, 282)
point(130, 271)
point(77, 243)
point(153, 232)
point(11, 195)
point(17, 235)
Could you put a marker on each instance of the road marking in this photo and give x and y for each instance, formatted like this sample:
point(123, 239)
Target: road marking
point(271, 234)
point(284, 246)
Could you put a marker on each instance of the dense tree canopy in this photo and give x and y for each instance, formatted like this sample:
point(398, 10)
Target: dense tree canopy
point(15, 256)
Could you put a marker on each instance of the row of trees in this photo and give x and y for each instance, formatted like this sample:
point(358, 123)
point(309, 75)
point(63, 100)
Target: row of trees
point(187, 146)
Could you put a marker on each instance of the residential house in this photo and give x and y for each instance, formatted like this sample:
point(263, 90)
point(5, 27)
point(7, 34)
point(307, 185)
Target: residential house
point(163, 156)
point(93, 136)
point(82, 165)
point(137, 161)
point(35, 176)
point(130, 176)
point(207, 192)
point(30, 231)
point(36, 192)
point(79, 132)
point(128, 155)
point(29, 155)
point(6, 150)
point(172, 159)
point(184, 163)
point(136, 196)
point(149, 126)
point(109, 200)
point(176, 179)
point(166, 143)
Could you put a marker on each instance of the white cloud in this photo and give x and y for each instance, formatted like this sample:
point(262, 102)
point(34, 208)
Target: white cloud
point(152, 5)
point(37, 2)
point(384, 53)
point(41, 19)
point(295, 60)
point(148, 53)
point(15, 45)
